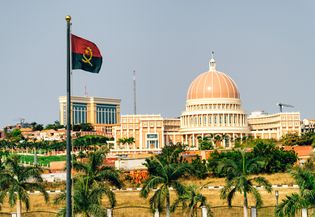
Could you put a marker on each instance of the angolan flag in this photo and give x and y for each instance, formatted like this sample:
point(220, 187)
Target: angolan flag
point(85, 55)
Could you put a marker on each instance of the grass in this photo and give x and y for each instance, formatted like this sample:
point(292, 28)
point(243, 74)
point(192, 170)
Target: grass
point(275, 179)
point(42, 160)
point(125, 199)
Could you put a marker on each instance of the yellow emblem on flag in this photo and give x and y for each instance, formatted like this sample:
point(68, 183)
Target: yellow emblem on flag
point(87, 56)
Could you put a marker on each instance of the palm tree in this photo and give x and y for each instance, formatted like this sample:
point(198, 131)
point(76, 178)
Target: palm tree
point(238, 180)
point(163, 176)
point(191, 200)
point(304, 199)
point(15, 183)
point(130, 141)
point(122, 141)
point(87, 199)
point(97, 173)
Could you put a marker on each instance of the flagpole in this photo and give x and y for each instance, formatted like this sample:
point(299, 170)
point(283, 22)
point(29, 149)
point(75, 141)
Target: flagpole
point(68, 165)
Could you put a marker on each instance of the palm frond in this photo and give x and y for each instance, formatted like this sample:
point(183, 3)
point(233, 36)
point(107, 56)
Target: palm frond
point(290, 206)
point(263, 182)
point(150, 183)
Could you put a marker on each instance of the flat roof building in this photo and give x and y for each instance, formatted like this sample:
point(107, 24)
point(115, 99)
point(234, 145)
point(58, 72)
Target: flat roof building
point(274, 126)
point(101, 112)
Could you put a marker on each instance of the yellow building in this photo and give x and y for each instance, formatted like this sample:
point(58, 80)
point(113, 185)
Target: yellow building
point(102, 113)
point(147, 130)
point(308, 126)
point(274, 126)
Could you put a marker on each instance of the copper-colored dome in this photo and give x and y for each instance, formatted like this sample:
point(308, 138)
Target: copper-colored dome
point(213, 84)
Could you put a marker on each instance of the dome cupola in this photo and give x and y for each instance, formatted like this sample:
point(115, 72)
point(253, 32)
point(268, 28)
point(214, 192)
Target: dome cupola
point(212, 84)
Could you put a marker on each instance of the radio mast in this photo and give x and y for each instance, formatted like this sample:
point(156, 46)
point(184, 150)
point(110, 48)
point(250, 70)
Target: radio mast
point(134, 93)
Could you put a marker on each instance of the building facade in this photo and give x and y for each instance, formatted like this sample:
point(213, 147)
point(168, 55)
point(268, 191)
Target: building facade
point(102, 113)
point(147, 131)
point(308, 125)
point(213, 108)
point(274, 126)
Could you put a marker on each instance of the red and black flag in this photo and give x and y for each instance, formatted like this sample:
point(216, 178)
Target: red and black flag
point(85, 55)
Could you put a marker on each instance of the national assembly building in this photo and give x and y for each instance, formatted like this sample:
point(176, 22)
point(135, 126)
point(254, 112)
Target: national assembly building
point(213, 108)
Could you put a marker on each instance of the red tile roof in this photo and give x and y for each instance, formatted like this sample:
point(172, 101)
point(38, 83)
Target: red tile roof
point(300, 150)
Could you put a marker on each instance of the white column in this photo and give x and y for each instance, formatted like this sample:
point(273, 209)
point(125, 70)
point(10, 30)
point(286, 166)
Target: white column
point(109, 212)
point(140, 135)
point(156, 213)
point(253, 212)
point(204, 211)
point(304, 212)
point(228, 120)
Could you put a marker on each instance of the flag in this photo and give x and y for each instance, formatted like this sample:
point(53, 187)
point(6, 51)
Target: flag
point(85, 55)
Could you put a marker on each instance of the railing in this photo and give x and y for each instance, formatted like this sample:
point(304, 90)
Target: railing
point(144, 211)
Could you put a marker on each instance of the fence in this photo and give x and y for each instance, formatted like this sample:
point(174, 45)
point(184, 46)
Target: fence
point(144, 211)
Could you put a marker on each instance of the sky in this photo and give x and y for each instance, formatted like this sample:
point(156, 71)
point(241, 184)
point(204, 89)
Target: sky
point(267, 47)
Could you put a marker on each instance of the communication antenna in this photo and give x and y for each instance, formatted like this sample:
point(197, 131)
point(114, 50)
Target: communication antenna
point(134, 93)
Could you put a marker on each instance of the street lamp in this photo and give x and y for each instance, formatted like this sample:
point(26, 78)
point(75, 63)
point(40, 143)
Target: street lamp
point(277, 197)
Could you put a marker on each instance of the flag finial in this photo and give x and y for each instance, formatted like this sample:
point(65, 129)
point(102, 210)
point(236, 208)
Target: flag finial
point(68, 18)
point(212, 63)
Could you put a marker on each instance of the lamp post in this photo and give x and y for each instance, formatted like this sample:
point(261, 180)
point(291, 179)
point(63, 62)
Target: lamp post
point(277, 197)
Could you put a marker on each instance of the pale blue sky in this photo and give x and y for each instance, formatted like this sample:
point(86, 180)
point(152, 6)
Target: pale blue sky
point(267, 47)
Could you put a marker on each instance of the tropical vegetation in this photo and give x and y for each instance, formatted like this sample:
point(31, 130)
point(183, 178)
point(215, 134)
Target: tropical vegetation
point(192, 200)
point(293, 203)
point(165, 170)
point(238, 180)
point(293, 139)
point(273, 159)
point(94, 180)
point(16, 181)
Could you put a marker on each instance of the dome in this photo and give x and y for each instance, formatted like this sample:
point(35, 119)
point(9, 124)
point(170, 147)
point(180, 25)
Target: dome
point(212, 84)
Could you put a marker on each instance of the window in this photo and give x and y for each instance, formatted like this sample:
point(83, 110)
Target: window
point(152, 141)
point(106, 114)
point(79, 113)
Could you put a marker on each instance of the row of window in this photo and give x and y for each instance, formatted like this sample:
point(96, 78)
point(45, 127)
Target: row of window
point(213, 119)
point(213, 106)
point(79, 113)
point(106, 114)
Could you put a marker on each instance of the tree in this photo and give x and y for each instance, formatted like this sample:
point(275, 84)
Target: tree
point(191, 200)
point(15, 183)
point(304, 199)
point(200, 169)
point(55, 126)
point(205, 143)
point(122, 141)
point(274, 158)
point(130, 141)
point(86, 127)
point(13, 136)
point(36, 127)
point(290, 139)
point(96, 174)
point(87, 198)
point(163, 176)
point(238, 180)
point(217, 140)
